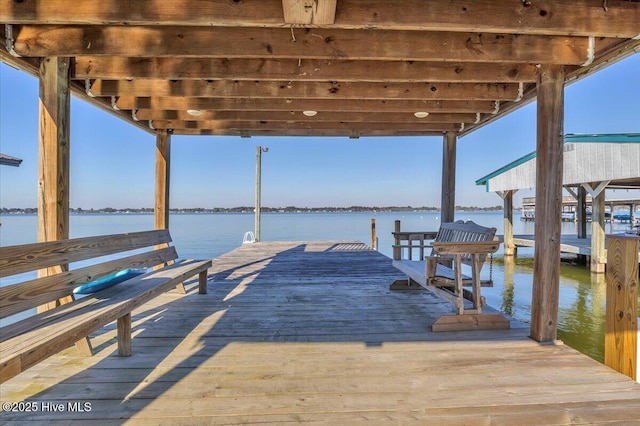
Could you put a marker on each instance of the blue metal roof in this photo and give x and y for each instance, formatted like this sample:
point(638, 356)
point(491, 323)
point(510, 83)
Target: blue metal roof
point(604, 137)
point(573, 138)
point(7, 160)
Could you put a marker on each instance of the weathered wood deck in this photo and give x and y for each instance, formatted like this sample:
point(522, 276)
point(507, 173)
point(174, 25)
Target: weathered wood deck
point(296, 332)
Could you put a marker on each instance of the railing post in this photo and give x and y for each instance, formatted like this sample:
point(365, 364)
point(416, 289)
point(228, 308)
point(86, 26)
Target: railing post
point(621, 338)
point(397, 251)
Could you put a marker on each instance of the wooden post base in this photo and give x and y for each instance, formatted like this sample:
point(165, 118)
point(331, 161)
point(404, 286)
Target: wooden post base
point(470, 322)
point(408, 284)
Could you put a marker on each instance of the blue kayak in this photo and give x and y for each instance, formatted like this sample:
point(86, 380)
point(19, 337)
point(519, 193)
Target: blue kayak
point(108, 281)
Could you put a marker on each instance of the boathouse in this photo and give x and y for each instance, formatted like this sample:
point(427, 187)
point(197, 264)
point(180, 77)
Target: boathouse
point(591, 164)
point(351, 353)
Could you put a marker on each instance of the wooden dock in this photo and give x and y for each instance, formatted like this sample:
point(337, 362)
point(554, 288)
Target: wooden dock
point(568, 244)
point(296, 332)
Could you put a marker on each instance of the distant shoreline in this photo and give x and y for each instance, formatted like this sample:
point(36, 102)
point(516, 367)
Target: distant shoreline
point(289, 209)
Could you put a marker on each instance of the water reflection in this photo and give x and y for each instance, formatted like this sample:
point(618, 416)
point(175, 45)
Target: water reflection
point(581, 313)
point(581, 324)
point(508, 290)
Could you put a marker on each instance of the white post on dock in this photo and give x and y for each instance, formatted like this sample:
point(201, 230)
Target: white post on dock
point(509, 246)
point(259, 151)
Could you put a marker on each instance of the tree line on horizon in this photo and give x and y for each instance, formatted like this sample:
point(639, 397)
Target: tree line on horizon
point(247, 209)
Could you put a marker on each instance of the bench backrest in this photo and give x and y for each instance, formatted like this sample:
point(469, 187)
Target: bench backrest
point(461, 231)
point(54, 257)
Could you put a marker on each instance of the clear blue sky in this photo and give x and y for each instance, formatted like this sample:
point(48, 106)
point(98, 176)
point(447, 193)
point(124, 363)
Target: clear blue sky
point(112, 163)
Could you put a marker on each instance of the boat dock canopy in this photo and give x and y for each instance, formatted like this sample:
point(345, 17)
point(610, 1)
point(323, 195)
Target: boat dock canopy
point(329, 68)
point(614, 158)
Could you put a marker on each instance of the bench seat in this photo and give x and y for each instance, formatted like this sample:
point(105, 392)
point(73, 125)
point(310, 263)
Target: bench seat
point(33, 339)
point(30, 341)
point(416, 270)
point(454, 244)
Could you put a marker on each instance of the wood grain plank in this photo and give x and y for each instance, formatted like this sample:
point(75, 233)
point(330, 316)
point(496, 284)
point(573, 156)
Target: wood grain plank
point(557, 17)
point(217, 42)
point(29, 294)
point(29, 257)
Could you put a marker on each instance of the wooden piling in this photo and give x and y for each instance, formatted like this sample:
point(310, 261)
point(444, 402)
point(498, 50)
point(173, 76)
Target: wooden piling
point(448, 203)
point(397, 251)
point(546, 270)
point(163, 169)
point(621, 338)
point(374, 244)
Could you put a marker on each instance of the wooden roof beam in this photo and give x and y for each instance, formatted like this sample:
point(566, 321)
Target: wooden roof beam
point(352, 134)
point(329, 44)
point(306, 90)
point(323, 116)
point(309, 12)
point(265, 104)
point(284, 126)
point(114, 68)
point(586, 17)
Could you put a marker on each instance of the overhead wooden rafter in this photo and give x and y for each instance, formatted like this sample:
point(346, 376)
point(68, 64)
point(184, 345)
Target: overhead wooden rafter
point(365, 67)
point(309, 12)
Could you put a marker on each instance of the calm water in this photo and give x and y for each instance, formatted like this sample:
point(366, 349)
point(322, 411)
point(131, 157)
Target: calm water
point(582, 295)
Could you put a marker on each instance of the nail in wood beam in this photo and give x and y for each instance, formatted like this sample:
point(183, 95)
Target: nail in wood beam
point(546, 271)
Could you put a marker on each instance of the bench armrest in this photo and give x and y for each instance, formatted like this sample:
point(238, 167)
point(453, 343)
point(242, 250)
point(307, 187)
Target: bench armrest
point(454, 247)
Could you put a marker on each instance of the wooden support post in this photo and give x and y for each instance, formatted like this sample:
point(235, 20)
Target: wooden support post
point(598, 234)
point(163, 169)
point(581, 212)
point(397, 251)
point(509, 247)
point(448, 204)
point(621, 338)
point(53, 165)
point(202, 282)
point(374, 244)
point(124, 335)
point(53, 151)
point(508, 292)
point(546, 269)
point(597, 192)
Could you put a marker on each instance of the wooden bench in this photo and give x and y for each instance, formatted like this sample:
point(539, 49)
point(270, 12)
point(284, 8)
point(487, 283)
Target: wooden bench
point(455, 244)
point(67, 321)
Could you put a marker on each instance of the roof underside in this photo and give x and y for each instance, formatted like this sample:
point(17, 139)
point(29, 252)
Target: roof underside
point(614, 158)
point(251, 67)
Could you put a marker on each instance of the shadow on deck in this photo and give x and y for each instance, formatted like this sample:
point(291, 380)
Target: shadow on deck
point(296, 332)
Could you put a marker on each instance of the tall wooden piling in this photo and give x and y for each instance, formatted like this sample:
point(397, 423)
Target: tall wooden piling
point(448, 203)
point(374, 238)
point(621, 338)
point(397, 251)
point(546, 270)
